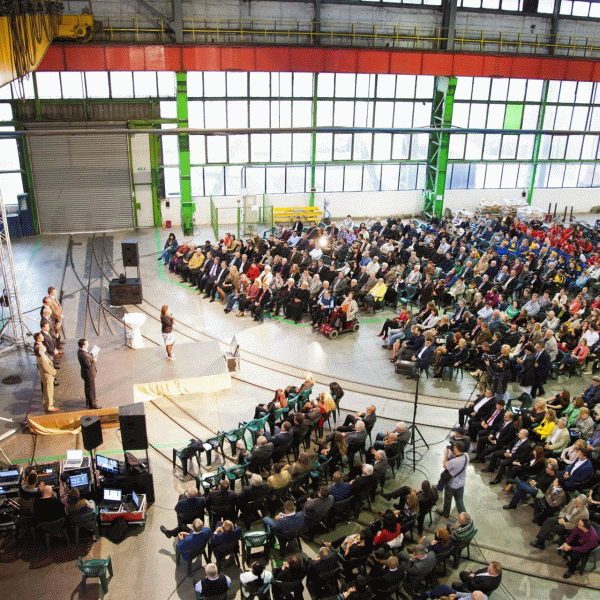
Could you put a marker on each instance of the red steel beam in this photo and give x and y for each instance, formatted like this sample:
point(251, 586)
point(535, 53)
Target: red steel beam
point(157, 57)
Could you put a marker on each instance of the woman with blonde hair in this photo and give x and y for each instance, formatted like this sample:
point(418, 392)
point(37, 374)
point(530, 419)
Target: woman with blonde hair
point(545, 428)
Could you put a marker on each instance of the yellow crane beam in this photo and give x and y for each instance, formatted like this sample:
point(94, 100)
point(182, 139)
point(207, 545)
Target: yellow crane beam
point(22, 48)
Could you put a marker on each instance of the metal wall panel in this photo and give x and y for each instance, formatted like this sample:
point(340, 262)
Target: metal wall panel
point(82, 183)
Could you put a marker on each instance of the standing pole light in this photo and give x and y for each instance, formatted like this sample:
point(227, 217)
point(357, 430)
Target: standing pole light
point(13, 328)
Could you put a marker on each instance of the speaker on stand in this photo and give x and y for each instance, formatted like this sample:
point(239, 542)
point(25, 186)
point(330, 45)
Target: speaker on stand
point(91, 433)
point(132, 420)
point(127, 290)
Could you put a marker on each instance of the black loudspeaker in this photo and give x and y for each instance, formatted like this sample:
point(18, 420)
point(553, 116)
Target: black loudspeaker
point(129, 292)
point(132, 420)
point(91, 432)
point(129, 249)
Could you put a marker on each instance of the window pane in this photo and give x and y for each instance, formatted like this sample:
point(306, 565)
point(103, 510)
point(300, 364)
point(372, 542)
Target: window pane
point(353, 178)
point(563, 117)
point(237, 84)
point(420, 142)
point(281, 144)
point(214, 84)
point(474, 148)
point(214, 181)
point(301, 143)
point(509, 146)
point(559, 146)
point(324, 146)
point(215, 112)
point(534, 90)
point(525, 150)
point(493, 176)
point(586, 175)
point(301, 114)
point(491, 148)
point(233, 180)
point(260, 147)
point(545, 143)
point(259, 113)
point(403, 114)
point(5, 112)
point(408, 177)
point(334, 178)
point(238, 148)
point(541, 177)
point(325, 85)
point(457, 146)
point(197, 179)
point(345, 85)
point(285, 84)
point(460, 176)
point(389, 177)
point(303, 85)
point(259, 84)
point(463, 88)
point(281, 113)
point(168, 110)
point(549, 117)
point(510, 173)
point(294, 180)
point(324, 113)
point(194, 84)
point(524, 177)
point(362, 146)
point(319, 180)
point(166, 83)
point(144, 84)
point(557, 172)
point(276, 180)
point(422, 114)
point(386, 86)
point(460, 115)
point(530, 117)
point(590, 146)
point(495, 116)
point(361, 114)
point(197, 149)
point(384, 114)
point(478, 115)
point(237, 114)
point(583, 94)
point(255, 180)
point(574, 145)
point(476, 176)
point(96, 83)
point(382, 148)
point(170, 149)
point(342, 146)
point(9, 155)
point(217, 149)
point(516, 89)
point(579, 118)
point(401, 146)
point(424, 86)
point(567, 92)
point(405, 86)
point(481, 88)
point(172, 187)
point(371, 178)
point(571, 175)
point(121, 84)
point(195, 113)
point(48, 84)
point(72, 84)
point(499, 89)
point(553, 90)
point(343, 115)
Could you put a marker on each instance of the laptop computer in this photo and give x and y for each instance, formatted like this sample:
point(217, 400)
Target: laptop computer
point(79, 481)
point(133, 503)
point(74, 459)
point(112, 499)
point(9, 477)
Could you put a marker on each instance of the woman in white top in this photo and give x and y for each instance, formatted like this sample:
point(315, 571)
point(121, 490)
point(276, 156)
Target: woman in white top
point(256, 577)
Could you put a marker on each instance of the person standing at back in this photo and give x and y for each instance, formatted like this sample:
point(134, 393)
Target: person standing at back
point(88, 373)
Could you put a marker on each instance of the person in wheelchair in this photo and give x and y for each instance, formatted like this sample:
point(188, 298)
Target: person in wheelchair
point(347, 313)
point(323, 309)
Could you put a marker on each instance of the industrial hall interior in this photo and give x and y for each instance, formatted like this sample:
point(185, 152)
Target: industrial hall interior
point(300, 299)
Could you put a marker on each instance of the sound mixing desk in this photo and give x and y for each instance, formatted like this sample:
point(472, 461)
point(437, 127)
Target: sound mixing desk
point(48, 473)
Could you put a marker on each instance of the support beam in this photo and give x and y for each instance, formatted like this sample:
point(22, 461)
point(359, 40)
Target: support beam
point(177, 21)
point(449, 9)
point(185, 179)
point(313, 142)
point(538, 141)
point(316, 39)
point(439, 142)
point(161, 17)
point(554, 27)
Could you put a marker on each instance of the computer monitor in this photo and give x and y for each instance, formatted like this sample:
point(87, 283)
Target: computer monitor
point(135, 499)
point(80, 480)
point(107, 465)
point(112, 495)
point(11, 474)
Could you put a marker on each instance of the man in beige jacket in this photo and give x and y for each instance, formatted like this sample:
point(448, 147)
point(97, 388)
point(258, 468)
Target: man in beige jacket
point(47, 374)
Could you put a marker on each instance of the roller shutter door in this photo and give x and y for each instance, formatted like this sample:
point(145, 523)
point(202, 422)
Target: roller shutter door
point(82, 183)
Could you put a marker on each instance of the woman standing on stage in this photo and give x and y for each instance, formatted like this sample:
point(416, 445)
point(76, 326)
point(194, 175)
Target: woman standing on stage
point(167, 320)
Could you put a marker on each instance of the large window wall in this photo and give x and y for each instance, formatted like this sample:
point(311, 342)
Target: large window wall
point(282, 163)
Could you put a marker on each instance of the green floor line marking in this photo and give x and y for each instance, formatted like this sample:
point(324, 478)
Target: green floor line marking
point(163, 277)
point(35, 250)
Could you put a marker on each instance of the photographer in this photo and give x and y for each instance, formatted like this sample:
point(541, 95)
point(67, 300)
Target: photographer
point(453, 478)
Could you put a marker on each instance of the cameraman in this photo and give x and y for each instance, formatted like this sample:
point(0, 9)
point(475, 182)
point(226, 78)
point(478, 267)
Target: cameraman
point(456, 462)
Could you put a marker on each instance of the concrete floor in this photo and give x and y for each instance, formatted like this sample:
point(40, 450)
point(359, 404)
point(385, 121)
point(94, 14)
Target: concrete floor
point(274, 354)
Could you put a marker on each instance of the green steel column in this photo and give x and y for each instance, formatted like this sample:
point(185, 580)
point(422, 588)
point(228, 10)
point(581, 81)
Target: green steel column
point(187, 206)
point(155, 179)
point(538, 141)
point(25, 162)
point(437, 155)
point(313, 143)
point(36, 100)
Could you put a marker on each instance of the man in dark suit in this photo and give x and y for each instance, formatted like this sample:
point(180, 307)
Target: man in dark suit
point(88, 373)
point(422, 359)
point(211, 275)
point(543, 366)
point(362, 485)
point(484, 581)
point(262, 299)
point(473, 410)
point(416, 565)
point(368, 417)
point(286, 524)
point(222, 502)
point(489, 424)
point(327, 562)
point(189, 502)
point(519, 451)
point(211, 287)
point(578, 473)
point(501, 437)
point(225, 534)
point(260, 457)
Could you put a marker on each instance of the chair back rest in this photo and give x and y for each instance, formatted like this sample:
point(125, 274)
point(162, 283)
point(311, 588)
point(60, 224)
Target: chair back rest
point(191, 515)
point(200, 596)
point(256, 588)
point(341, 506)
point(236, 472)
point(285, 587)
point(464, 543)
point(94, 567)
point(299, 481)
point(53, 526)
point(231, 548)
point(306, 393)
point(255, 539)
point(84, 519)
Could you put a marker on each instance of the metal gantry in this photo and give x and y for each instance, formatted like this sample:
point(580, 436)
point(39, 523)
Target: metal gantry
point(13, 328)
point(439, 142)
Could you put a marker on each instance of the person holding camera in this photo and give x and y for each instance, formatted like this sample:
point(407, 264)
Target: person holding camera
point(453, 478)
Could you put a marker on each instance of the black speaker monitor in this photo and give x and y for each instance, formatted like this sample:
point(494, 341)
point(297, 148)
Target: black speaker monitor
point(132, 420)
point(91, 432)
point(129, 249)
point(129, 292)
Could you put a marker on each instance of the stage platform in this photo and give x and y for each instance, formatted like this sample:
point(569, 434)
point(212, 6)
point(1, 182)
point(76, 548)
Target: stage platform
point(126, 375)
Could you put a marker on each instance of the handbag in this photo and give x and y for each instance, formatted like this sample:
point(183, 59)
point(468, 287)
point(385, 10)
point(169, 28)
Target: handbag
point(446, 476)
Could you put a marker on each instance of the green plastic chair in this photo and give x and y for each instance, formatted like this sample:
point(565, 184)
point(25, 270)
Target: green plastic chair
point(234, 473)
point(54, 528)
point(96, 567)
point(255, 426)
point(254, 539)
point(233, 436)
point(87, 521)
point(199, 552)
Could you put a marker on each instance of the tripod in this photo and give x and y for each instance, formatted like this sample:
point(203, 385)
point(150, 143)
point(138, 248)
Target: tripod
point(414, 428)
